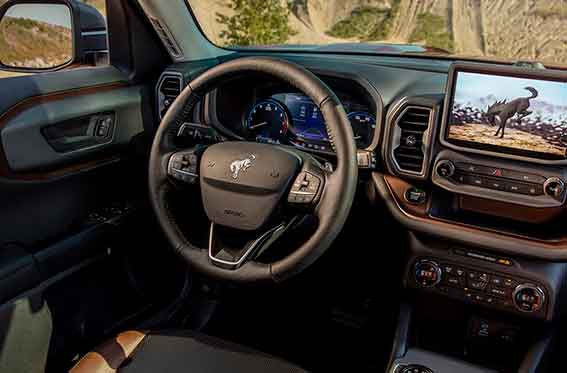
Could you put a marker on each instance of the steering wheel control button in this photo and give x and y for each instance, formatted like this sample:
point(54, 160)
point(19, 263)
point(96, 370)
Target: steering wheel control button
point(528, 298)
point(445, 169)
point(366, 159)
point(184, 167)
point(427, 273)
point(305, 188)
point(415, 196)
point(414, 368)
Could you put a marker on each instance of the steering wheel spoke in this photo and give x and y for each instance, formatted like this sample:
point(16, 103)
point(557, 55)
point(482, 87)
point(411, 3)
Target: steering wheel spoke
point(184, 166)
point(229, 254)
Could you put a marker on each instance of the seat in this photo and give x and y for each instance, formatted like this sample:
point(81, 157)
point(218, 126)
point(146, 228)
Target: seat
point(177, 351)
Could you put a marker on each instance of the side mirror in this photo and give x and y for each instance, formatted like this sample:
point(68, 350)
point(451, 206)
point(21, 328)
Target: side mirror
point(45, 35)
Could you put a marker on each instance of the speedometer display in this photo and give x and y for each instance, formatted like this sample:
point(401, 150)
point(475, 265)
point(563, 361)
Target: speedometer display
point(293, 118)
point(267, 122)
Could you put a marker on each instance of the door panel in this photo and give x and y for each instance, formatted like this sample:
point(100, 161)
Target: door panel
point(66, 130)
point(65, 209)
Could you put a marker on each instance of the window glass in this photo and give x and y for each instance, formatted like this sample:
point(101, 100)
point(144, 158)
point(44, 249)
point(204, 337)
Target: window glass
point(489, 29)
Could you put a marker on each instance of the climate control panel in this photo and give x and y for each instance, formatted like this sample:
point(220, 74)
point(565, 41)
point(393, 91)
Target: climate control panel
point(491, 289)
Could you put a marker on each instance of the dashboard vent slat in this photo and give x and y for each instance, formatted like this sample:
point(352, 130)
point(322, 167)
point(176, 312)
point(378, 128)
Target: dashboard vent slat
point(169, 87)
point(411, 127)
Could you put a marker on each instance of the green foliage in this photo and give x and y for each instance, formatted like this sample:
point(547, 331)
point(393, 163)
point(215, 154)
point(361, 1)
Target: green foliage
point(432, 30)
point(367, 23)
point(256, 22)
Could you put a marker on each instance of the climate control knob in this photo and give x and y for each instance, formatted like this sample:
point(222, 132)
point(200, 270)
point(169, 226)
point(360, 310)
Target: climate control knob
point(554, 187)
point(445, 168)
point(427, 273)
point(528, 297)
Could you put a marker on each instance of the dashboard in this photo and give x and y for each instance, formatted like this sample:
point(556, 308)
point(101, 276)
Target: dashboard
point(430, 171)
point(469, 159)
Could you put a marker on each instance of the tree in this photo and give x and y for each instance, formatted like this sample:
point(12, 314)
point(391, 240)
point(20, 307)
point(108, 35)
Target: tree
point(256, 22)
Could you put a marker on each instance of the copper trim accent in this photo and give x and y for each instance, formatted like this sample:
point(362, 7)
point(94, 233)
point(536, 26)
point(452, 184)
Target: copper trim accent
point(398, 187)
point(108, 357)
point(394, 189)
point(29, 102)
point(509, 210)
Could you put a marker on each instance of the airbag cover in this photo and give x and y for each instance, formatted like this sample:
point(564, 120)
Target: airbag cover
point(242, 182)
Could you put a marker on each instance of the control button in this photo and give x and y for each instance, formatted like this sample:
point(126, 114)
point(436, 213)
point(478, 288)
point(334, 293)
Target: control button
point(453, 281)
point(509, 282)
point(365, 158)
point(475, 180)
point(478, 298)
point(495, 184)
point(554, 187)
point(497, 281)
point(528, 298)
point(304, 188)
point(497, 292)
point(474, 169)
point(535, 190)
point(184, 167)
point(477, 285)
point(415, 196)
point(477, 276)
point(459, 177)
point(427, 273)
point(103, 127)
point(522, 176)
point(445, 168)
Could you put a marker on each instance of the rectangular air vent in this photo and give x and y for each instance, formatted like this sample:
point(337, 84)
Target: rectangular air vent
point(169, 87)
point(409, 147)
point(167, 38)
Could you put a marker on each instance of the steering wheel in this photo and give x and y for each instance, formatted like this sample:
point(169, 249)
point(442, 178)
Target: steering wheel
point(244, 184)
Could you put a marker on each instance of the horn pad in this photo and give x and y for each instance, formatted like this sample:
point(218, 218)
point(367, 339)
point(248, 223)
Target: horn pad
point(242, 182)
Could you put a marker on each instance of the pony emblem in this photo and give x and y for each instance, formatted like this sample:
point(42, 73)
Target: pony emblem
point(241, 165)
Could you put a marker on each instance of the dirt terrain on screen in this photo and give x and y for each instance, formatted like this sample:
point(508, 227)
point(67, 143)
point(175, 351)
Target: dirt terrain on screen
point(481, 133)
point(515, 29)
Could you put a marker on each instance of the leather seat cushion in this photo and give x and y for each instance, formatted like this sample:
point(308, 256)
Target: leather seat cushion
point(177, 351)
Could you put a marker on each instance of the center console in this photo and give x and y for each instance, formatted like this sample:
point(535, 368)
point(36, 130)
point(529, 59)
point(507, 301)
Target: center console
point(478, 176)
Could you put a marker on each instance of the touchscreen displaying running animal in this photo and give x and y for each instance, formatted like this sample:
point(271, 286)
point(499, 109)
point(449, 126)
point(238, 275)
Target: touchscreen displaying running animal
point(500, 112)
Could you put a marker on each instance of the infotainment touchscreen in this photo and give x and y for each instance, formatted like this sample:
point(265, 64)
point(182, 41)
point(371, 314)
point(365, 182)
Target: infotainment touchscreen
point(512, 114)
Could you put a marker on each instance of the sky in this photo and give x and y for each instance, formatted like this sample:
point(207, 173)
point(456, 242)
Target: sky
point(472, 86)
point(55, 14)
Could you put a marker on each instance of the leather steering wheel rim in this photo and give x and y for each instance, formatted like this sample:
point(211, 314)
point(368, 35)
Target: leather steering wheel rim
point(337, 196)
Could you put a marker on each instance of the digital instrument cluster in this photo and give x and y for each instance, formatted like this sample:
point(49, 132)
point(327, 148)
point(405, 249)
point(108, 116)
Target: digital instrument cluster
point(292, 118)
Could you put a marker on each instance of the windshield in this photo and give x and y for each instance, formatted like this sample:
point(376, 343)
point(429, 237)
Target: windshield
point(489, 29)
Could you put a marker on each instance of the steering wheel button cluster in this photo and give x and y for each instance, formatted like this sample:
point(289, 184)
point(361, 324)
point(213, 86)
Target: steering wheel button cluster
point(304, 188)
point(183, 167)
